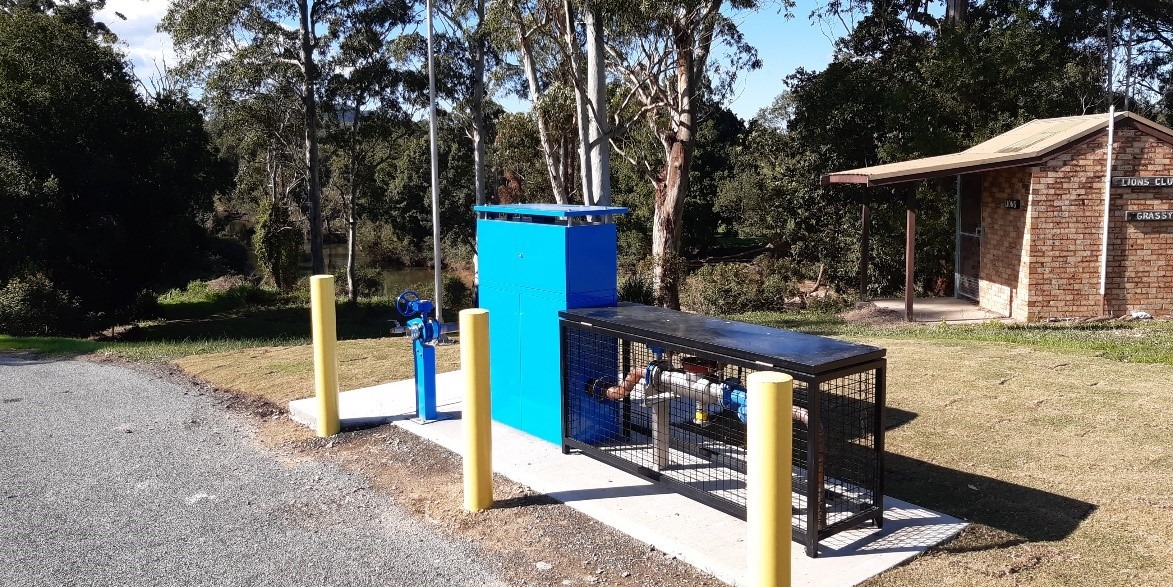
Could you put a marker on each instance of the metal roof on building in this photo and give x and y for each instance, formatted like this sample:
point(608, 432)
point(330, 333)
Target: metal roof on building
point(1028, 144)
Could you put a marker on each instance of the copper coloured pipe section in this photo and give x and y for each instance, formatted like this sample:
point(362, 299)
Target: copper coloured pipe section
point(624, 389)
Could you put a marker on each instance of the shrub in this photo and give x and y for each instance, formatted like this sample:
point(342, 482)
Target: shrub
point(277, 243)
point(721, 288)
point(33, 306)
point(386, 249)
point(457, 252)
point(635, 249)
point(727, 288)
point(457, 294)
point(196, 291)
point(236, 295)
point(368, 280)
point(247, 295)
point(300, 294)
point(227, 255)
point(146, 306)
point(637, 289)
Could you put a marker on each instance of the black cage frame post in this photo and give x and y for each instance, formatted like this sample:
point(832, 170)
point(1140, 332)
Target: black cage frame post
point(661, 394)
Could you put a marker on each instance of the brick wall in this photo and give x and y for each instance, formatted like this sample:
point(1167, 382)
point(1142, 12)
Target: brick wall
point(1066, 220)
point(1003, 285)
point(1140, 256)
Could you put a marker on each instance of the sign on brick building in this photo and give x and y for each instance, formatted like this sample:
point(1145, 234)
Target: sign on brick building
point(1150, 215)
point(1143, 182)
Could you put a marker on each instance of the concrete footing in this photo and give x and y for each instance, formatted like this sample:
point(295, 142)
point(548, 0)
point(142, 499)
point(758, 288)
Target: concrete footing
point(695, 533)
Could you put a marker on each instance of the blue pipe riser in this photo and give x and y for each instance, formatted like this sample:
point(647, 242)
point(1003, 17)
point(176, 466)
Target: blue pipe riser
point(425, 381)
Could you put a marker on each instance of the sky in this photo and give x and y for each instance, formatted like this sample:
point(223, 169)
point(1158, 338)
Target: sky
point(783, 45)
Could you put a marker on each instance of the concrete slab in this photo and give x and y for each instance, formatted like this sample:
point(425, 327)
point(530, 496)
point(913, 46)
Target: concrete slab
point(949, 310)
point(695, 533)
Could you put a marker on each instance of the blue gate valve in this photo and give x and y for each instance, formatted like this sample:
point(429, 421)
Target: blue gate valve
point(425, 332)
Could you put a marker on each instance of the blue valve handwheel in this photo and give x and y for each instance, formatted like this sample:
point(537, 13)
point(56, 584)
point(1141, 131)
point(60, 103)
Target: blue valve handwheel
point(404, 303)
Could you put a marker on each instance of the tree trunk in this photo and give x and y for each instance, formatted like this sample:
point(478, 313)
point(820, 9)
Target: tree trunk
point(310, 101)
point(582, 118)
point(478, 131)
point(351, 237)
point(351, 217)
point(599, 131)
point(553, 166)
point(273, 167)
point(666, 224)
point(568, 171)
point(673, 185)
point(478, 103)
point(956, 11)
point(865, 251)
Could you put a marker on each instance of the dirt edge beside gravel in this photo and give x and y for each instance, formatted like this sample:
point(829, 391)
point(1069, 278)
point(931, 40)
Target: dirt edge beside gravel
point(530, 538)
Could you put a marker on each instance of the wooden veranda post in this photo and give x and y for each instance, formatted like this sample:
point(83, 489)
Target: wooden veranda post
point(865, 251)
point(909, 255)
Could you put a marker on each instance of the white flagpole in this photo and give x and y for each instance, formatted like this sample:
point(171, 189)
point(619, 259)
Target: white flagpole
point(435, 166)
point(1107, 208)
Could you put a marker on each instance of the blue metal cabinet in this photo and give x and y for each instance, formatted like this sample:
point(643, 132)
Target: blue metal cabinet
point(534, 261)
point(504, 351)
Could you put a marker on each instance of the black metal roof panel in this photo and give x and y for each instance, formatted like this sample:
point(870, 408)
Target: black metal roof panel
point(784, 349)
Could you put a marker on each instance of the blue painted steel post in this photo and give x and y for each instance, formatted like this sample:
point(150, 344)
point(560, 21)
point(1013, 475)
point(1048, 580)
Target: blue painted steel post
point(425, 381)
point(424, 331)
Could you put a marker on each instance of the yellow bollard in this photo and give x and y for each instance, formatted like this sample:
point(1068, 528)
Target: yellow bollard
point(478, 439)
point(325, 330)
point(769, 438)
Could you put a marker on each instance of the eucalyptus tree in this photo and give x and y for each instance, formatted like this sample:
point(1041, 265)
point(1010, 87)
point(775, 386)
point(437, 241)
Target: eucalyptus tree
point(372, 80)
point(468, 19)
point(907, 83)
point(526, 29)
point(664, 55)
point(238, 47)
point(559, 45)
point(1131, 40)
point(263, 134)
point(1146, 45)
point(517, 155)
point(78, 14)
point(581, 29)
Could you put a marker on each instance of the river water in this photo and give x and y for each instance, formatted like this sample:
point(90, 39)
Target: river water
point(393, 282)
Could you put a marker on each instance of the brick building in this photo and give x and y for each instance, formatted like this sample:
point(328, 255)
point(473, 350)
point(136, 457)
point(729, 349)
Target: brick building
point(1031, 221)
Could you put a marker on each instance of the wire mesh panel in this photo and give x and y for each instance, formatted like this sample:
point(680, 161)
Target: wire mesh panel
point(677, 414)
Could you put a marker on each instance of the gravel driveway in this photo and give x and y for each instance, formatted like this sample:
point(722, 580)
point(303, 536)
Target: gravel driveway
point(109, 476)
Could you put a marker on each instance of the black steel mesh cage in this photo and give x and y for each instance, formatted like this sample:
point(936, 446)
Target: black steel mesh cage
point(677, 415)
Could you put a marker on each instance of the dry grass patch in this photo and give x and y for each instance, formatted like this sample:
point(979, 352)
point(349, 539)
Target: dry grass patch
point(283, 374)
point(1064, 460)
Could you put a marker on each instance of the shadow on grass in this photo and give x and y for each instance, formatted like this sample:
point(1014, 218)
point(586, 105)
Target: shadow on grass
point(896, 417)
point(26, 354)
point(1025, 513)
point(290, 323)
point(17, 351)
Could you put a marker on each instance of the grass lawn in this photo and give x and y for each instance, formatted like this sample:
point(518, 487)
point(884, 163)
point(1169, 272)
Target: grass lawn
point(1136, 342)
point(282, 374)
point(192, 327)
point(1063, 460)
